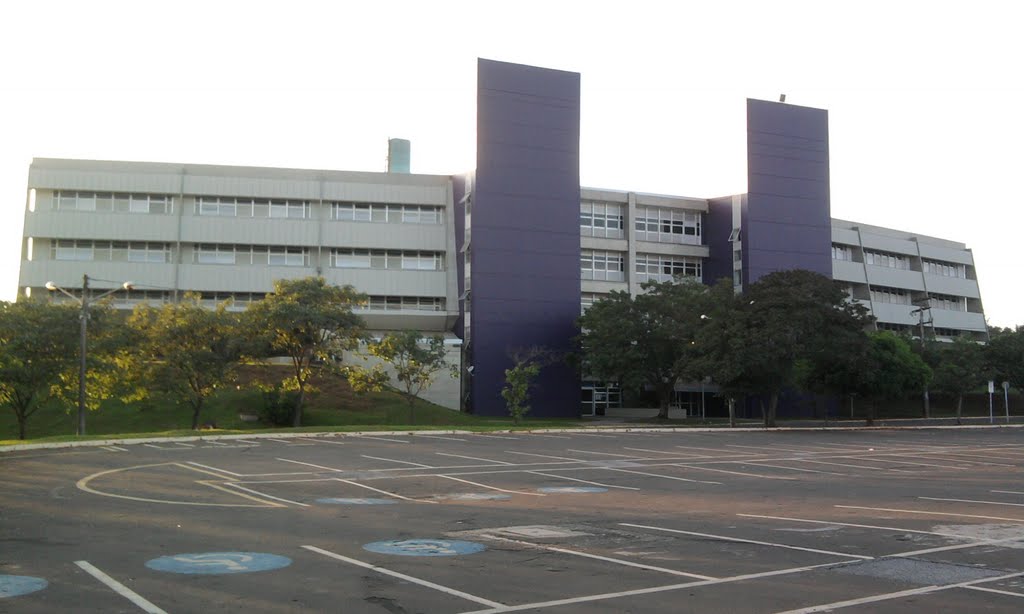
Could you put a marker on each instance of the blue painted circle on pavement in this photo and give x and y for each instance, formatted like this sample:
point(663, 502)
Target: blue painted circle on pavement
point(356, 501)
point(212, 563)
point(12, 586)
point(425, 547)
point(572, 489)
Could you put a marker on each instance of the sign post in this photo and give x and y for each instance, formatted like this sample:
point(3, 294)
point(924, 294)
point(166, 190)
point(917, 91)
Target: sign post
point(1006, 400)
point(991, 389)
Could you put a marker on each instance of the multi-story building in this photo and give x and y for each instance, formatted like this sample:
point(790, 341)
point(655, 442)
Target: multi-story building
point(500, 259)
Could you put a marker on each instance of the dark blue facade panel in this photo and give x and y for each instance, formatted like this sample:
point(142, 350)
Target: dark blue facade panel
point(525, 242)
point(787, 220)
point(717, 228)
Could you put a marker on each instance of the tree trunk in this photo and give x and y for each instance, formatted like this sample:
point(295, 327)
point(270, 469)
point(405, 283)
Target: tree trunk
point(871, 413)
point(764, 413)
point(732, 413)
point(769, 415)
point(412, 409)
point(665, 398)
point(195, 415)
point(927, 404)
point(959, 408)
point(297, 414)
point(22, 425)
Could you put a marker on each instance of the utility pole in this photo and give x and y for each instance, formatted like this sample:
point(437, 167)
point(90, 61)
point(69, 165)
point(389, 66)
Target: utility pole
point(924, 306)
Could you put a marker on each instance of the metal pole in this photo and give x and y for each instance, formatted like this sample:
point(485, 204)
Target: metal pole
point(991, 416)
point(84, 318)
point(1006, 401)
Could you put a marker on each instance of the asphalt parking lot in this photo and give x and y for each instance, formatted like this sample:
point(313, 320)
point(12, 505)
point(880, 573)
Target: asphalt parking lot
point(642, 521)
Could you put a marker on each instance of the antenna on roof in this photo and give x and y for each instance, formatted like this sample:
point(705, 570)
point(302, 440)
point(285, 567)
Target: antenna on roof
point(782, 98)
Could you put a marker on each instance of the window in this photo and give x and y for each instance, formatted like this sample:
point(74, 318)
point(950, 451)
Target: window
point(116, 202)
point(602, 266)
point(587, 300)
point(886, 259)
point(654, 267)
point(601, 220)
point(945, 269)
point(69, 249)
point(386, 213)
point(229, 206)
point(215, 254)
point(948, 302)
point(286, 256)
point(841, 252)
point(148, 252)
point(894, 296)
point(387, 259)
point(403, 303)
point(668, 225)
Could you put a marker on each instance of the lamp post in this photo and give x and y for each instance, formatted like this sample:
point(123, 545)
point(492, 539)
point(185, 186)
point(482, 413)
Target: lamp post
point(83, 317)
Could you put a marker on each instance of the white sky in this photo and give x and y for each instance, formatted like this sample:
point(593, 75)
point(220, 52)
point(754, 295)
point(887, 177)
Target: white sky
point(924, 98)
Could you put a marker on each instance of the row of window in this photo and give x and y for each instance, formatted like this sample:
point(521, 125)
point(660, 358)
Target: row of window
point(601, 220)
point(894, 296)
point(841, 252)
point(887, 259)
point(387, 259)
point(118, 202)
point(220, 253)
point(667, 225)
point(945, 269)
point(389, 213)
point(242, 299)
point(602, 266)
point(112, 251)
point(947, 302)
point(654, 267)
point(229, 206)
point(403, 303)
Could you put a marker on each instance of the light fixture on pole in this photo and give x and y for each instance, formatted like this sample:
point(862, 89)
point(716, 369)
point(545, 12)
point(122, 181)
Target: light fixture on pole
point(83, 316)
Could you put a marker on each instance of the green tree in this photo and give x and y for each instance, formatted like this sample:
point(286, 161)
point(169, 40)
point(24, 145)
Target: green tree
point(1004, 356)
point(186, 351)
point(309, 321)
point(782, 327)
point(961, 369)
point(526, 366)
point(415, 361)
point(647, 340)
point(38, 343)
point(889, 370)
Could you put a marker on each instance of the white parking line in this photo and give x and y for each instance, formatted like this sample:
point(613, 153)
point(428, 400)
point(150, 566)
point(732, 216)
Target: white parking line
point(497, 436)
point(977, 544)
point(885, 509)
point(120, 589)
point(994, 590)
point(574, 460)
point(749, 475)
point(750, 541)
point(288, 460)
point(630, 456)
point(402, 576)
point(659, 452)
point(224, 471)
point(657, 475)
point(763, 464)
point(476, 458)
point(828, 607)
point(673, 572)
point(330, 441)
point(1008, 492)
point(551, 436)
point(184, 445)
point(264, 495)
point(971, 501)
point(562, 477)
point(884, 458)
point(384, 492)
point(596, 435)
point(874, 468)
point(393, 460)
point(850, 524)
point(515, 492)
point(440, 437)
point(368, 438)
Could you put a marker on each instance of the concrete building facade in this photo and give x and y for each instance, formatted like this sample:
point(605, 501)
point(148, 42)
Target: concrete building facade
point(499, 259)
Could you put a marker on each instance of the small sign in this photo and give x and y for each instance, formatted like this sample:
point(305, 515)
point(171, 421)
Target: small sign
point(572, 489)
point(1006, 386)
point(356, 501)
point(213, 563)
point(425, 547)
point(13, 586)
point(991, 386)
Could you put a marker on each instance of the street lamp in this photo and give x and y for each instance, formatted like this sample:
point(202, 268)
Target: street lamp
point(83, 317)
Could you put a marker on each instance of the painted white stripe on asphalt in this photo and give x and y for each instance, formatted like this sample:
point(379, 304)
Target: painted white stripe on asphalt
point(763, 464)
point(884, 458)
point(503, 436)
point(828, 607)
point(673, 572)
point(1008, 492)
point(630, 456)
point(402, 576)
point(971, 501)
point(850, 524)
point(562, 477)
point(386, 439)
point(288, 460)
point(648, 591)
point(515, 492)
point(677, 454)
point(657, 475)
point(264, 495)
point(392, 460)
point(871, 467)
point(284, 441)
point(573, 460)
point(331, 441)
point(551, 436)
point(476, 458)
point(440, 437)
point(184, 445)
point(994, 590)
point(750, 541)
point(749, 475)
point(885, 509)
point(384, 492)
point(213, 442)
point(120, 589)
point(978, 544)
point(225, 471)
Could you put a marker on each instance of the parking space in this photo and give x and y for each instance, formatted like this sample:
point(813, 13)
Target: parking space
point(806, 521)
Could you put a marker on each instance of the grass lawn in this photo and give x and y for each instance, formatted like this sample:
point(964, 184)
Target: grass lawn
point(332, 407)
